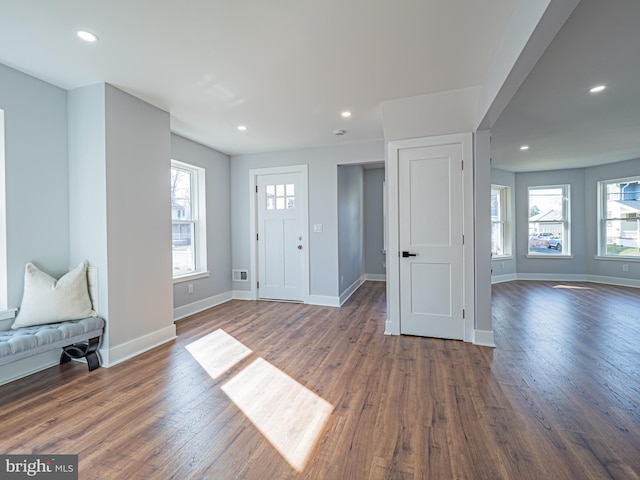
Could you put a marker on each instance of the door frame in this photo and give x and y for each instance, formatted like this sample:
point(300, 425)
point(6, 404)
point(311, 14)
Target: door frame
point(254, 173)
point(392, 326)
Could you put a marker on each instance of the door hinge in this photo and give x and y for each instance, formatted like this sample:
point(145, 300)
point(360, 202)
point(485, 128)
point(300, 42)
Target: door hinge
point(256, 188)
point(257, 236)
point(463, 313)
point(461, 164)
point(463, 239)
point(257, 284)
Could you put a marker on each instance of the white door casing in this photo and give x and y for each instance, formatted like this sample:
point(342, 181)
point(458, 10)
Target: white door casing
point(467, 287)
point(430, 202)
point(279, 253)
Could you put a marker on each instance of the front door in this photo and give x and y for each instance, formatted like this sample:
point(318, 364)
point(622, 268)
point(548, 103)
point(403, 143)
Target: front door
point(431, 221)
point(281, 206)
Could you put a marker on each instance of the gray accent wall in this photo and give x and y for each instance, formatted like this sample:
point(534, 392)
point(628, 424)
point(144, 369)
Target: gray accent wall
point(218, 194)
point(350, 225)
point(374, 259)
point(323, 206)
point(37, 204)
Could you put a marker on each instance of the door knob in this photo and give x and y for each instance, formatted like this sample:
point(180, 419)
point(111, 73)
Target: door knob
point(299, 247)
point(407, 254)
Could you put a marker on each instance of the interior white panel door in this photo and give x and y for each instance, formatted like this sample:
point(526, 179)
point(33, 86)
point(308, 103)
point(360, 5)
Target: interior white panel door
point(280, 209)
point(431, 229)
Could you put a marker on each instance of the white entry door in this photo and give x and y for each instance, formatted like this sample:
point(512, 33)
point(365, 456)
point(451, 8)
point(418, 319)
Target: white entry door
point(281, 207)
point(431, 253)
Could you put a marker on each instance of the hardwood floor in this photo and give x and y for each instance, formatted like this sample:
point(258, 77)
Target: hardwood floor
point(262, 390)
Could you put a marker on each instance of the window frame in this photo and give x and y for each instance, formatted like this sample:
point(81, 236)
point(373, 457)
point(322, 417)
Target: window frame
point(504, 193)
point(198, 220)
point(565, 221)
point(604, 218)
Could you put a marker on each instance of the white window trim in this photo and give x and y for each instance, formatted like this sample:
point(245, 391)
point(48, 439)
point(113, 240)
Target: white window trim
point(199, 213)
point(505, 204)
point(566, 219)
point(602, 231)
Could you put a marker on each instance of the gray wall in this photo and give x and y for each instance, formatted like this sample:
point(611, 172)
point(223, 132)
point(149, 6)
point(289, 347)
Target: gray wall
point(608, 268)
point(323, 208)
point(374, 259)
point(584, 222)
point(350, 225)
point(218, 194)
point(552, 264)
point(37, 204)
point(506, 266)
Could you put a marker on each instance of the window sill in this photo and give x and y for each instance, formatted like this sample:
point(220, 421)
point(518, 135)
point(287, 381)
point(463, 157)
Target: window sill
point(190, 276)
point(497, 258)
point(550, 257)
point(617, 258)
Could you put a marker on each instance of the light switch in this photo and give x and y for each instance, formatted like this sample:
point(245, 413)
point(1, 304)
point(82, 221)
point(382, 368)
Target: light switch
point(317, 228)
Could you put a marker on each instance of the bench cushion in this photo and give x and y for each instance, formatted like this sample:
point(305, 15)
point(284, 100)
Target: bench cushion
point(29, 341)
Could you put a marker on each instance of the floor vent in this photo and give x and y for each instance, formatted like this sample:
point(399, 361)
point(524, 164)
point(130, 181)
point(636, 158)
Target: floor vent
point(240, 275)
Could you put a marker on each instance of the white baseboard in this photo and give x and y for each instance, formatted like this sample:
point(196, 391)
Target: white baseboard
point(622, 282)
point(323, 300)
point(509, 277)
point(484, 338)
point(351, 290)
point(375, 277)
point(559, 277)
point(242, 295)
point(120, 353)
point(389, 328)
point(27, 366)
point(201, 305)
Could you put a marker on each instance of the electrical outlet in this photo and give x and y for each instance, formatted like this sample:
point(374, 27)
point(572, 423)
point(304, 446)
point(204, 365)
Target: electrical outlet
point(625, 267)
point(190, 288)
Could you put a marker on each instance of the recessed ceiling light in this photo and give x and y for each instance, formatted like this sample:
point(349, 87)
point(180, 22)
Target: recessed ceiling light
point(87, 36)
point(597, 89)
point(524, 147)
point(242, 128)
point(346, 114)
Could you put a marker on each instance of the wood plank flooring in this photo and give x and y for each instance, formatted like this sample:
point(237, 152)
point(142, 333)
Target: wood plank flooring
point(557, 399)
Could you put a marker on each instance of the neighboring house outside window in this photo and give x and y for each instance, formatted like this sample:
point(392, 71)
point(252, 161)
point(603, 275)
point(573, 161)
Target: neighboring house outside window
point(188, 217)
point(619, 222)
point(500, 221)
point(549, 232)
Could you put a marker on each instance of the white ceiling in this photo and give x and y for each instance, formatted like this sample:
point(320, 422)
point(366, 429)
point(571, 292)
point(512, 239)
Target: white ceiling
point(553, 113)
point(284, 68)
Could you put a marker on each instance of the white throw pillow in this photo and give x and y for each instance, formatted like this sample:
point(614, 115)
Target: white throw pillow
point(47, 300)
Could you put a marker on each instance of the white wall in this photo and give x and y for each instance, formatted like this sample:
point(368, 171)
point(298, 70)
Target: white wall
point(218, 194)
point(323, 206)
point(37, 205)
point(350, 226)
point(374, 259)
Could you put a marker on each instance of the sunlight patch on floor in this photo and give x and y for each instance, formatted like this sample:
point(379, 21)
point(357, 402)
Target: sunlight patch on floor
point(288, 414)
point(217, 352)
point(572, 287)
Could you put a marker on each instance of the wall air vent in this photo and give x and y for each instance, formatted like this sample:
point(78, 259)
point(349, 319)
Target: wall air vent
point(240, 275)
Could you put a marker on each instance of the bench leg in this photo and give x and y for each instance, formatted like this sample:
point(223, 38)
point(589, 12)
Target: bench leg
point(82, 350)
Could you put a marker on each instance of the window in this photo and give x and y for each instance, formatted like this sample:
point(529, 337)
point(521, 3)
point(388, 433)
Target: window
point(549, 220)
point(188, 216)
point(500, 226)
point(280, 197)
point(619, 225)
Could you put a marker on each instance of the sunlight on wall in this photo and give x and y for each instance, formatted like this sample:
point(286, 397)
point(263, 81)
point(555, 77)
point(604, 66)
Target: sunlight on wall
point(217, 352)
point(288, 414)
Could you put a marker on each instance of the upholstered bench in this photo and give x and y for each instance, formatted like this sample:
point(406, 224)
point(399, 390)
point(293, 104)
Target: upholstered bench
point(77, 338)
